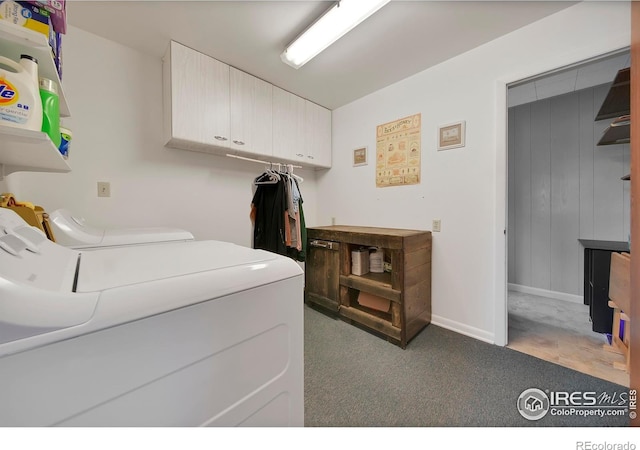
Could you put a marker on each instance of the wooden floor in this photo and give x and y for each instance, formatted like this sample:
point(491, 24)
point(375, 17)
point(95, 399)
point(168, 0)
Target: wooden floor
point(560, 332)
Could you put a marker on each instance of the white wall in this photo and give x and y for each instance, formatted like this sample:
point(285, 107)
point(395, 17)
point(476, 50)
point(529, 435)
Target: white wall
point(4, 187)
point(115, 97)
point(464, 187)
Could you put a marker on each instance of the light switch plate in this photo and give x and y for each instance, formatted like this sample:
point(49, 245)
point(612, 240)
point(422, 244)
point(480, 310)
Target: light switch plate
point(436, 225)
point(104, 189)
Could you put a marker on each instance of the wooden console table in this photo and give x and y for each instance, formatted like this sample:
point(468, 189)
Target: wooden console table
point(330, 284)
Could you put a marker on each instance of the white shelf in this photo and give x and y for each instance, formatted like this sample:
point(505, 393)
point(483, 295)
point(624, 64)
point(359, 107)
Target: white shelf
point(16, 40)
point(26, 150)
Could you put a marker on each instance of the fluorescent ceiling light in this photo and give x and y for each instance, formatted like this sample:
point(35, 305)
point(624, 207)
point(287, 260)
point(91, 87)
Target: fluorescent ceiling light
point(337, 21)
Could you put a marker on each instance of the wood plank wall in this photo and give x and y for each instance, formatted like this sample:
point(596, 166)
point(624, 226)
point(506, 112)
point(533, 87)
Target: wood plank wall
point(562, 187)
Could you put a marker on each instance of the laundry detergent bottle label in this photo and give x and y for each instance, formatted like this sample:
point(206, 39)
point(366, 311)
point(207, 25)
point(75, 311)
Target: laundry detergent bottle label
point(20, 104)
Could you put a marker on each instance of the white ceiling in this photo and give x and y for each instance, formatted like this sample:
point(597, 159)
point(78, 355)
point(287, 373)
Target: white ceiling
point(593, 73)
point(402, 39)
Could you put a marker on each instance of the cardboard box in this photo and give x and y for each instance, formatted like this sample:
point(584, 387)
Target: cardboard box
point(620, 280)
point(25, 15)
point(374, 302)
point(55, 42)
point(57, 13)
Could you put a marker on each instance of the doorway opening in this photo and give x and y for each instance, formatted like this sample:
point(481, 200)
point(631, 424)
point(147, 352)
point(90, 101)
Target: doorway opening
point(562, 187)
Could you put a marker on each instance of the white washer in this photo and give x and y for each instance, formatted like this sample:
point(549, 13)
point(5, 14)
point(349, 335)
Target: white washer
point(73, 232)
point(203, 333)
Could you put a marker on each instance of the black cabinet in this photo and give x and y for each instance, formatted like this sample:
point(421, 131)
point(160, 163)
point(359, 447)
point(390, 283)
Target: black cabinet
point(597, 265)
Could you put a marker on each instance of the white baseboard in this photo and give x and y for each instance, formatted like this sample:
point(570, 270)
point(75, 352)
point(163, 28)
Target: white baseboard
point(545, 293)
point(461, 328)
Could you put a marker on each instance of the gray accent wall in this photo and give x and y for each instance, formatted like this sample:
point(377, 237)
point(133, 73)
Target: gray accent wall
point(562, 187)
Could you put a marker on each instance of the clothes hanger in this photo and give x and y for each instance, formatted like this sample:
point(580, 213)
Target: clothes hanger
point(271, 176)
point(271, 180)
point(290, 172)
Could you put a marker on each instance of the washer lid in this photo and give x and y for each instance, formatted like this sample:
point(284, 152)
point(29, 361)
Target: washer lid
point(70, 230)
point(129, 236)
point(121, 266)
point(73, 232)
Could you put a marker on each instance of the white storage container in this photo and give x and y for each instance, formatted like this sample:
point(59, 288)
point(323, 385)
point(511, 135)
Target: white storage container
point(360, 261)
point(376, 260)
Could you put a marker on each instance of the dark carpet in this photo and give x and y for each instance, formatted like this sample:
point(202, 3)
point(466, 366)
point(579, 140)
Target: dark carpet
point(442, 379)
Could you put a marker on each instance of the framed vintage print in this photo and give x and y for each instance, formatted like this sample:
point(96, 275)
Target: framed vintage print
point(360, 156)
point(398, 152)
point(451, 135)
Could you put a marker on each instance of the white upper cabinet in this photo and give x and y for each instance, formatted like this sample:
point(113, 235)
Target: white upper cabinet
point(196, 100)
point(317, 129)
point(251, 123)
point(288, 126)
point(214, 108)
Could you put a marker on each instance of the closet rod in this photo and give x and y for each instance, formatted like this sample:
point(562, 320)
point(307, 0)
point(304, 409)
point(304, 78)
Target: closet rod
point(262, 162)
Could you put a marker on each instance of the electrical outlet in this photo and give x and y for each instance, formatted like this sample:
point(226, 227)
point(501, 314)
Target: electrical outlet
point(333, 221)
point(104, 189)
point(436, 225)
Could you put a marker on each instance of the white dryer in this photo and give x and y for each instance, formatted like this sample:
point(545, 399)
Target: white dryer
point(72, 231)
point(205, 333)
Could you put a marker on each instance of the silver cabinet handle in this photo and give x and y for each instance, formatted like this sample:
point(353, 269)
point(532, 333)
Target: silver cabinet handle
point(309, 156)
point(238, 142)
point(320, 244)
point(220, 138)
point(299, 154)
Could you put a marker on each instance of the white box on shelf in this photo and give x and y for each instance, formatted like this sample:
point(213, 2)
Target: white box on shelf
point(360, 261)
point(376, 260)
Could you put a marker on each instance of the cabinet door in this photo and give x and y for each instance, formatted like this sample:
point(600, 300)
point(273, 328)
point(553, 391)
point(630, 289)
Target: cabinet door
point(288, 126)
point(317, 135)
point(199, 97)
point(251, 123)
point(322, 273)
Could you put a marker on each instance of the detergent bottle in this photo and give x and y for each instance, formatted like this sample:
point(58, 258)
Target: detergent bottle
point(50, 110)
point(20, 103)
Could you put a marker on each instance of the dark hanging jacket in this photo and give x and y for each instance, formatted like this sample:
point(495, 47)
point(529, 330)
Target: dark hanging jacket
point(268, 207)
